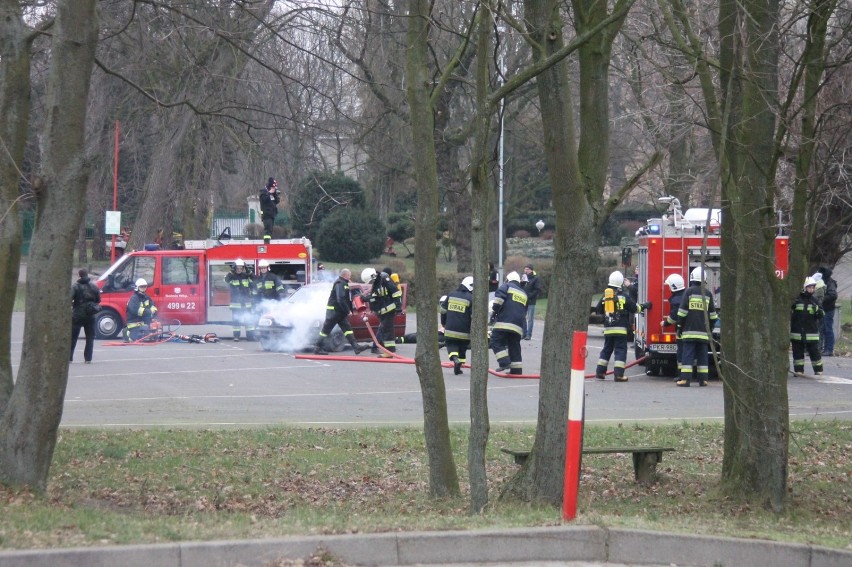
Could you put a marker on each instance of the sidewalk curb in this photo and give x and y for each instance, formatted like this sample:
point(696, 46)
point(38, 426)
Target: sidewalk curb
point(580, 543)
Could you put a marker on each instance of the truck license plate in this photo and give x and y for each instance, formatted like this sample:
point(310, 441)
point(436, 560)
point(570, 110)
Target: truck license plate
point(664, 348)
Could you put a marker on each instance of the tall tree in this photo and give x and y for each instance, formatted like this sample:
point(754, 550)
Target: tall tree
point(754, 369)
point(30, 420)
point(578, 169)
point(443, 478)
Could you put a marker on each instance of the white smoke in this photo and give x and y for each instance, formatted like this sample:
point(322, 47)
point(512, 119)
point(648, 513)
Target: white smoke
point(293, 324)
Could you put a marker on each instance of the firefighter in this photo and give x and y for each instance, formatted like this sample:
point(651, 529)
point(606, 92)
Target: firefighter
point(805, 319)
point(509, 319)
point(242, 288)
point(270, 196)
point(696, 310)
point(677, 286)
point(140, 313)
point(618, 310)
point(455, 318)
point(337, 311)
point(385, 301)
point(268, 285)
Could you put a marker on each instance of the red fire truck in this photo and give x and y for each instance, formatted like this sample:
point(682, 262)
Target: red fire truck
point(675, 244)
point(189, 285)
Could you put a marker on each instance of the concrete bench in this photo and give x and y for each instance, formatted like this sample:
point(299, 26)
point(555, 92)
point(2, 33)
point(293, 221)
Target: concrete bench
point(645, 459)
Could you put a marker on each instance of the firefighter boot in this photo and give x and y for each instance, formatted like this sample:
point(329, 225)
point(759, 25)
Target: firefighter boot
point(457, 365)
point(620, 378)
point(318, 347)
point(356, 347)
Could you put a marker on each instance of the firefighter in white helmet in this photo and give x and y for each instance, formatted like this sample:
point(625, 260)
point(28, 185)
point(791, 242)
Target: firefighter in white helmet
point(242, 288)
point(383, 302)
point(455, 318)
point(674, 283)
point(509, 316)
point(805, 318)
point(140, 313)
point(617, 309)
point(268, 284)
point(696, 310)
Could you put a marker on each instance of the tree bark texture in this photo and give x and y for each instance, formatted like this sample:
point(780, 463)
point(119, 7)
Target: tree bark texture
point(575, 193)
point(15, 109)
point(443, 478)
point(481, 191)
point(755, 338)
point(28, 428)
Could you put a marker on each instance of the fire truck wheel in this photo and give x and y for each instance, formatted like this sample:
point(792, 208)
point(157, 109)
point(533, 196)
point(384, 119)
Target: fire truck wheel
point(108, 324)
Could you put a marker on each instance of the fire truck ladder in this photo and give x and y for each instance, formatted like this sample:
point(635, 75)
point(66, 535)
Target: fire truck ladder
point(673, 255)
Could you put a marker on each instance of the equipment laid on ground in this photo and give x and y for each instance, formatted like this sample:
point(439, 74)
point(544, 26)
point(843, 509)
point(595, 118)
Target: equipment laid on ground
point(189, 284)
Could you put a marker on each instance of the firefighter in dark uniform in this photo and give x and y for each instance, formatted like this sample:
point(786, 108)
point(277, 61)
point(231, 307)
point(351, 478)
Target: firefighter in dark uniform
point(242, 288)
point(805, 318)
point(383, 302)
point(696, 308)
point(269, 199)
point(509, 318)
point(338, 309)
point(455, 318)
point(268, 284)
point(676, 284)
point(617, 309)
point(140, 313)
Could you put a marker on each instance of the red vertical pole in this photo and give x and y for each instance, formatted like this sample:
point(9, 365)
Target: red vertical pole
point(574, 442)
point(114, 191)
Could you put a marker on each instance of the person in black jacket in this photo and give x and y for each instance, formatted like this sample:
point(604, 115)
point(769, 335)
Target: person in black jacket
point(140, 313)
point(269, 199)
point(85, 304)
point(618, 310)
point(338, 309)
point(829, 303)
point(509, 318)
point(532, 285)
point(696, 309)
point(455, 318)
point(676, 284)
point(805, 317)
point(242, 288)
point(385, 302)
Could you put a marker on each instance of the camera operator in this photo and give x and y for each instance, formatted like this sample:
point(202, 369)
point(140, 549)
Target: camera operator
point(270, 196)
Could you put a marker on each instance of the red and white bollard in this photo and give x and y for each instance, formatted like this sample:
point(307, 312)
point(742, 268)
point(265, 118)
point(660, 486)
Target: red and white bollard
point(574, 442)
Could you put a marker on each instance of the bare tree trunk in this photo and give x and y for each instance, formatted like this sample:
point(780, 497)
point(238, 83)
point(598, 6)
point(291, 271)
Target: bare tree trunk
point(755, 341)
point(15, 109)
point(578, 178)
point(481, 191)
point(443, 478)
point(28, 428)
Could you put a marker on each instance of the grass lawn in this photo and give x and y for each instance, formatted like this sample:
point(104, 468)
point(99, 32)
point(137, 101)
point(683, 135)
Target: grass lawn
point(131, 486)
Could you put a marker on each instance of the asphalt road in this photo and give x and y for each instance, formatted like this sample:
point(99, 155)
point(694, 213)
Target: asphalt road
point(238, 384)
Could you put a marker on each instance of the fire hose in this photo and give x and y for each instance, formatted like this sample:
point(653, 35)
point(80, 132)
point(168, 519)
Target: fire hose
point(157, 336)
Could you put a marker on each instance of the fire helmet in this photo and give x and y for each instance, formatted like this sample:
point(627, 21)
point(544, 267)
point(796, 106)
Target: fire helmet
point(697, 275)
point(141, 283)
point(675, 282)
point(468, 283)
point(809, 282)
point(239, 263)
point(513, 277)
point(616, 279)
point(263, 264)
point(368, 275)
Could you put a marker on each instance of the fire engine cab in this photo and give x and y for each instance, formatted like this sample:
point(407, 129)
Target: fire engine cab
point(189, 285)
point(675, 244)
